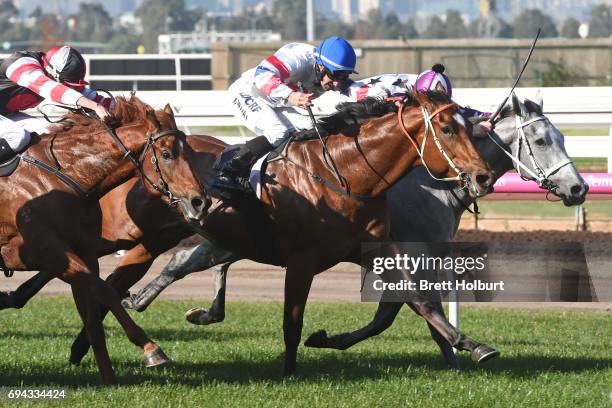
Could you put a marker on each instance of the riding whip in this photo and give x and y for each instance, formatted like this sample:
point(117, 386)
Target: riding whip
point(501, 106)
point(326, 153)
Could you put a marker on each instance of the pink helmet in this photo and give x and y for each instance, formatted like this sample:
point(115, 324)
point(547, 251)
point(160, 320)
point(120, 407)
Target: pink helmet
point(429, 80)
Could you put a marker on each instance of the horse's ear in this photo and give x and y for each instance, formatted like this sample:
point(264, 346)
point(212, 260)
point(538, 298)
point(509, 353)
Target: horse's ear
point(516, 105)
point(170, 112)
point(539, 100)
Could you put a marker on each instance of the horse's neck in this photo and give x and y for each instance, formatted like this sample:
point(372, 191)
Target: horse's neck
point(94, 161)
point(377, 157)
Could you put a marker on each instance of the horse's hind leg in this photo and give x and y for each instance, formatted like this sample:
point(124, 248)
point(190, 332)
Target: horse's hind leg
point(431, 311)
point(183, 263)
point(384, 317)
point(216, 313)
point(298, 280)
point(445, 348)
point(132, 267)
point(24, 292)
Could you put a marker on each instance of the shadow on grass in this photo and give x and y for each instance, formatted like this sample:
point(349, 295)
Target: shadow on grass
point(334, 366)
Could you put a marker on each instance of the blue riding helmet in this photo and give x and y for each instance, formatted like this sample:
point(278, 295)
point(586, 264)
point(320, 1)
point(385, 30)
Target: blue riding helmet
point(336, 54)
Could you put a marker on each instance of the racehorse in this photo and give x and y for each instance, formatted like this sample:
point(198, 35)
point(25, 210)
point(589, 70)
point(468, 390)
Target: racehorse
point(421, 209)
point(50, 216)
point(300, 185)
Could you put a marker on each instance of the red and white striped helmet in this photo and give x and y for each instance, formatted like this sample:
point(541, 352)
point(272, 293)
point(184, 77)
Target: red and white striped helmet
point(66, 65)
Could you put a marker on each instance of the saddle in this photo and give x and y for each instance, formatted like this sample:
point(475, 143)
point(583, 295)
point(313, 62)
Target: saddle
point(9, 160)
point(8, 167)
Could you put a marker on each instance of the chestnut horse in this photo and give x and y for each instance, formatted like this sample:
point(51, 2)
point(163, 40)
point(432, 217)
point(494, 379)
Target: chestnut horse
point(52, 222)
point(371, 156)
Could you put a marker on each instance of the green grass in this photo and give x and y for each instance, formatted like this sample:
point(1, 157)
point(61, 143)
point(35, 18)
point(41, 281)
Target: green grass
point(549, 358)
point(596, 210)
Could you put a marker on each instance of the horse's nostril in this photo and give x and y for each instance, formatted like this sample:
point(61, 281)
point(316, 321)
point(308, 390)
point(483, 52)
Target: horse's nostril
point(197, 203)
point(483, 179)
point(576, 189)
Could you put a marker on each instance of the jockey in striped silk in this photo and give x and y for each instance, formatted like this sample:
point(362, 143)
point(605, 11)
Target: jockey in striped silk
point(27, 78)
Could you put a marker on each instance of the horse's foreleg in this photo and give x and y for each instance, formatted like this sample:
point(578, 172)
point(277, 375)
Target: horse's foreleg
point(216, 313)
point(92, 322)
point(298, 280)
point(384, 317)
point(105, 295)
point(431, 312)
point(132, 267)
point(24, 292)
point(183, 263)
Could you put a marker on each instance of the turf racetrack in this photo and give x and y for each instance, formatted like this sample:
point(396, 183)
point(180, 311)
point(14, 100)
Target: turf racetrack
point(549, 358)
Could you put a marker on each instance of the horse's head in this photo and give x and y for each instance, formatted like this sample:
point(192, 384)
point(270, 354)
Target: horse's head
point(445, 139)
point(165, 159)
point(540, 147)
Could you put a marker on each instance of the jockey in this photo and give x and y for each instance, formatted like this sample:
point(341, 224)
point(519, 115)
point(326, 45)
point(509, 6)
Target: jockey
point(390, 85)
point(264, 97)
point(27, 78)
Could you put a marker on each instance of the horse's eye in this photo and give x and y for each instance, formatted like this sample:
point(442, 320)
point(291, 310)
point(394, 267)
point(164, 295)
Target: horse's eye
point(540, 141)
point(166, 155)
point(446, 130)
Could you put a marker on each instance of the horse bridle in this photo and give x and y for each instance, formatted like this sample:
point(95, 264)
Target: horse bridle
point(541, 175)
point(427, 117)
point(162, 188)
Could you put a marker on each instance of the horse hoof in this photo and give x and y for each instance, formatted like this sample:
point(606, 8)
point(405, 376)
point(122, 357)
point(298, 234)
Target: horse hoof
point(484, 353)
point(128, 303)
point(198, 316)
point(316, 339)
point(156, 358)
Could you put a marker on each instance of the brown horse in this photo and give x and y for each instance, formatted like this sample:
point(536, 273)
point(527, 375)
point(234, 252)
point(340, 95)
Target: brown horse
point(53, 224)
point(375, 153)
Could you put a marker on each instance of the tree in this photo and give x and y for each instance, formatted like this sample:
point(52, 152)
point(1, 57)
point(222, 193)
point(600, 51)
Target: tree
point(526, 24)
point(569, 29)
point(435, 28)
point(92, 23)
point(123, 43)
point(600, 24)
point(7, 11)
point(289, 15)
point(162, 16)
point(491, 26)
point(454, 26)
point(327, 28)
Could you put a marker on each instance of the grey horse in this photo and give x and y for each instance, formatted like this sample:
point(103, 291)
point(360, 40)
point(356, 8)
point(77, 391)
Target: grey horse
point(421, 209)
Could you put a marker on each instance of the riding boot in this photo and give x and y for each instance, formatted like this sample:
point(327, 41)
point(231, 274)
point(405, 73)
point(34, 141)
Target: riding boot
point(233, 175)
point(6, 152)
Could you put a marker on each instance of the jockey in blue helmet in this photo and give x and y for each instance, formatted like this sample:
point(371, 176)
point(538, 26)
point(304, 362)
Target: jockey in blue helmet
point(264, 98)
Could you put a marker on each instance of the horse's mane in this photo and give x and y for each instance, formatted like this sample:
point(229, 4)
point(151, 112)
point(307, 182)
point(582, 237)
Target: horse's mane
point(356, 113)
point(126, 111)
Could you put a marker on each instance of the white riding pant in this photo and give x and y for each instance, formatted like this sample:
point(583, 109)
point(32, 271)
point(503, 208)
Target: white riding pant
point(15, 128)
point(262, 119)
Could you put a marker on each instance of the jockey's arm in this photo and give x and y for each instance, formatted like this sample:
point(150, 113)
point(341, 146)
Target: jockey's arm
point(100, 110)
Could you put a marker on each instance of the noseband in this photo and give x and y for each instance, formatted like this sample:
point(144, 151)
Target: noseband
point(427, 117)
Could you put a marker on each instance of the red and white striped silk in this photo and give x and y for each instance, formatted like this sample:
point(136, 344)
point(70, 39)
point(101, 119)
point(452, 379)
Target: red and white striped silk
point(29, 73)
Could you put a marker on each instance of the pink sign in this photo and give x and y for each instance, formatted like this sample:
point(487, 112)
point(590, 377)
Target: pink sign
point(599, 183)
